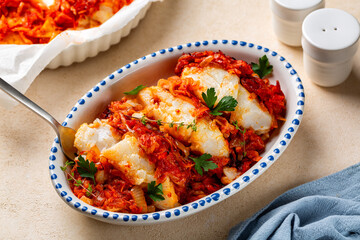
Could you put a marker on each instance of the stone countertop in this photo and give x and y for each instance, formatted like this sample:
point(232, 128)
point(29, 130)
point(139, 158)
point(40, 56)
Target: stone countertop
point(326, 142)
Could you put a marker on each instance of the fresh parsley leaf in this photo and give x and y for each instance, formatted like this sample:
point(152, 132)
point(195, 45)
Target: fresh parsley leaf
point(155, 192)
point(171, 124)
point(227, 103)
point(263, 68)
point(210, 97)
point(159, 122)
point(201, 163)
point(235, 123)
point(86, 168)
point(135, 90)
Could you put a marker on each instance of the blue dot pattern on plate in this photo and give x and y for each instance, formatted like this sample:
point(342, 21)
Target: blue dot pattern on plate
point(93, 212)
point(226, 191)
point(53, 176)
point(68, 199)
point(115, 216)
point(215, 196)
point(167, 214)
point(194, 205)
point(255, 171)
point(76, 205)
point(263, 165)
point(126, 218)
point(105, 214)
point(236, 185)
point(120, 70)
point(52, 158)
point(89, 94)
point(185, 208)
point(242, 43)
point(202, 202)
point(84, 208)
point(271, 158)
point(176, 212)
point(215, 41)
point(224, 41)
point(296, 121)
point(81, 101)
point(205, 43)
point(145, 217)
point(63, 193)
point(156, 216)
point(276, 150)
point(246, 178)
point(52, 167)
point(197, 44)
point(208, 199)
point(133, 218)
point(112, 75)
point(234, 42)
point(58, 185)
point(53, 149)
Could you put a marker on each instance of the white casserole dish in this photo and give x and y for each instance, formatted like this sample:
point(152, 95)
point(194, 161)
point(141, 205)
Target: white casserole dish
point(146, 71)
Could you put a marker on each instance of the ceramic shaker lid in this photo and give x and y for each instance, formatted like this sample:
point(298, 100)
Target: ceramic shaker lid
point(295, 10)
point(330, 35)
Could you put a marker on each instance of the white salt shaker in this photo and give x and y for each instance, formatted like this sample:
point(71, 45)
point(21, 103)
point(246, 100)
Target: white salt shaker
point(330, 40)
point(288, 16)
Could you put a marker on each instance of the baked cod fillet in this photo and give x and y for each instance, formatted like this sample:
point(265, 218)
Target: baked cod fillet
point(248, 113)
point(162, 105)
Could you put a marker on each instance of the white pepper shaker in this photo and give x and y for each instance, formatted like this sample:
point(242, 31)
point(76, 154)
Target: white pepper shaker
point(330, 40)
point(288, 16)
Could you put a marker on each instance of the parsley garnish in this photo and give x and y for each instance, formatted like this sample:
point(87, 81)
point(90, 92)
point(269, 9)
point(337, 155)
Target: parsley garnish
point(135, 90)
point(155, 192)
point(159, 122)
point(202, 163)
point(227, 103)
point(86, 168)
point(263, 68)
point(171, 124)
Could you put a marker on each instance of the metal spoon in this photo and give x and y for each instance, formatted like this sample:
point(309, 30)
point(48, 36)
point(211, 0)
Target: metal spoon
point(65, 135)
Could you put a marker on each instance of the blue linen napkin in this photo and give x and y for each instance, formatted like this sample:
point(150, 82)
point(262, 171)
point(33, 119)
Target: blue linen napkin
point(328, 208)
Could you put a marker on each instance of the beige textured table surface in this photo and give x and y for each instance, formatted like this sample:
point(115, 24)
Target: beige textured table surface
point(327, 141)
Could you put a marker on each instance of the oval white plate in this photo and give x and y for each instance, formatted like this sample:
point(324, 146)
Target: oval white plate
point(147, 71)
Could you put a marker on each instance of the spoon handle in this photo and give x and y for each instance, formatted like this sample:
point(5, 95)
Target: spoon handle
point(18, 96)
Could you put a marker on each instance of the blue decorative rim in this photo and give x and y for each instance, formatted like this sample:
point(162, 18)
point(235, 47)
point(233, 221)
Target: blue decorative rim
point(267, 160)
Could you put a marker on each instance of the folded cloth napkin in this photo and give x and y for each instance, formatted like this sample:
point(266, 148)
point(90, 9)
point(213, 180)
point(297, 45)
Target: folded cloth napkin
point(328, 208)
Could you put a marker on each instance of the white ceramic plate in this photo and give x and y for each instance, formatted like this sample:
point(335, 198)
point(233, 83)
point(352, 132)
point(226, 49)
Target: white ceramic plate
point(147, 70)
point(76, 52)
